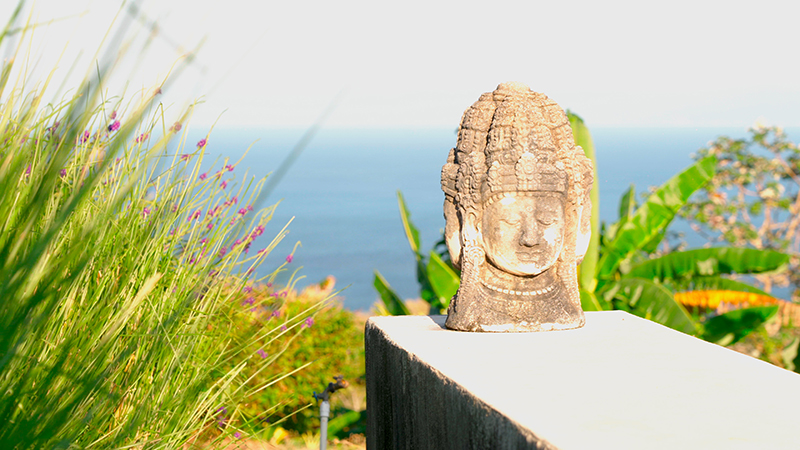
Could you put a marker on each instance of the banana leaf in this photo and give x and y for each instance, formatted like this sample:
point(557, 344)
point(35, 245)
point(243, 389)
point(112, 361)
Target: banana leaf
point(443, 279)
point(729, 328)
point(391, 300)
point(651, 218)
point(627, 204)
point(588, 268)
point(650, 301)
point(709, 262)
point(791, 356)
point(590, 302)
point(412, 234)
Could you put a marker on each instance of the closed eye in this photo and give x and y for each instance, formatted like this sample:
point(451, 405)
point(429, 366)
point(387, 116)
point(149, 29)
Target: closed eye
point(547, 219)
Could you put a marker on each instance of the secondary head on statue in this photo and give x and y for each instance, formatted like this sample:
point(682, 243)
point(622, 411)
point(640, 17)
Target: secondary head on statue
point(517, 214)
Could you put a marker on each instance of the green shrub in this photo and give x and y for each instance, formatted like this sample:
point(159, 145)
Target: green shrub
point(327, 343)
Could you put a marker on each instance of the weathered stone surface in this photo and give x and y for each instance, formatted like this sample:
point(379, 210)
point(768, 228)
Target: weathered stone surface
point(517, 209)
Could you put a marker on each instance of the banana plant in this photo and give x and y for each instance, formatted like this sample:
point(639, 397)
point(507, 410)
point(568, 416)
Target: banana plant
point(437, 279)
point(619, 273)
point(619, 270)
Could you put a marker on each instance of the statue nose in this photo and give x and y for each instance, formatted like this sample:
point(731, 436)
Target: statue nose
point(529, 235)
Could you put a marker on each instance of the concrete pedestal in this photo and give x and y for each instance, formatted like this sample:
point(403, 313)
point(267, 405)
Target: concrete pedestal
point(620, 382)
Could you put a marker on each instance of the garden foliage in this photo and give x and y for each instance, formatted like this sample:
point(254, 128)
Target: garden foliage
point(117, 257)
point(325, 344)
point(753, 200)
point(622, 269)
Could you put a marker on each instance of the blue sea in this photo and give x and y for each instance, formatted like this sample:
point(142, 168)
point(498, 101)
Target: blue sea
point(340, 193)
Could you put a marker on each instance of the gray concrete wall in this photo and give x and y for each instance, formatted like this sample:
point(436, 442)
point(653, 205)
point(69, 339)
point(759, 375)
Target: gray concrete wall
point(620, 382)
point(411, 405)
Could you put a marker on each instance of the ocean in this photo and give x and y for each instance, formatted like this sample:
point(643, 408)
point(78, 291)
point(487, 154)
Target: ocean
point(340, 193)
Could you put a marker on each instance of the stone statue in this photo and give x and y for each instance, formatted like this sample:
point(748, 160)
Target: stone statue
point(517, 212)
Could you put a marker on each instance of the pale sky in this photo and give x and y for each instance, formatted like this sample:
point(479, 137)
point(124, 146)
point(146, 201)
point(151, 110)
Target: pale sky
point(419, 64)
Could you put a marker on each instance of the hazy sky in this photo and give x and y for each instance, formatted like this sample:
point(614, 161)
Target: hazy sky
point(421, 63)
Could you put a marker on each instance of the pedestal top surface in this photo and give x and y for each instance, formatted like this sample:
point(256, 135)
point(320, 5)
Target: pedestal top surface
point(620, 381)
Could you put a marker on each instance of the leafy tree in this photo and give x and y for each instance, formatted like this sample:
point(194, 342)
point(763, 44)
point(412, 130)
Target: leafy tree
point(753, 200)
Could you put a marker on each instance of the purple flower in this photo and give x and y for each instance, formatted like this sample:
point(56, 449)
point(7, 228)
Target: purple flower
point(203, 176)
point(276, 313)
point(262, 353)
point(222, 252)
point(308, 322)
point(186, 157)
point(257, 232)
point(113, 116)
point(283, 327)
point(210, 225)
point(63, 172)
point(142, 137)
point(28, 170)
point(247, 289)
point(242, 211)
point(203, 241)
point(229, 167)
point(289, 258)
point(176, 127)
point(249, 301)
point(145, 211)
point(222, 410)
point(261, 251)
point(234, 200)
point(202, 143)
point(237, 435)
point(85, 137)
point(269, 285)
point(224, 184)
point(114, 126)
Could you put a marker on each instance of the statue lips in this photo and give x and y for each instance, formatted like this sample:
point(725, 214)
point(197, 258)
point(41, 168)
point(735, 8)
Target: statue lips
point(529, 255)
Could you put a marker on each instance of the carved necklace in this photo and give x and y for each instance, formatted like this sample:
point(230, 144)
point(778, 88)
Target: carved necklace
point(541, 285)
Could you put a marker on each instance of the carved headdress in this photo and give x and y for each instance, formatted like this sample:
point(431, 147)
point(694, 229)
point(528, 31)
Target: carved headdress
point(512, 141)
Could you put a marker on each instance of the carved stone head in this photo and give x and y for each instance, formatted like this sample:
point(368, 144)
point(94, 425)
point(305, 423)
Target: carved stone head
point(517, 214)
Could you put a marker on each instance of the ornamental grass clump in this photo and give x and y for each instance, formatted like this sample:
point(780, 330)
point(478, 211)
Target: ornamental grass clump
point(116, 259)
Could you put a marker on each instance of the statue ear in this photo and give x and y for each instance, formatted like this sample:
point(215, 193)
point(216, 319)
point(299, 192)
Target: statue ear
point(452, 231)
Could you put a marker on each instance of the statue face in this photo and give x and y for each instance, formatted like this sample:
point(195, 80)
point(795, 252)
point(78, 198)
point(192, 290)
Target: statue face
point(523, 234)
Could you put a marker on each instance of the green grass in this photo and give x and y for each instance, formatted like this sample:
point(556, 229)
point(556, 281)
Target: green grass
point(122, 267)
